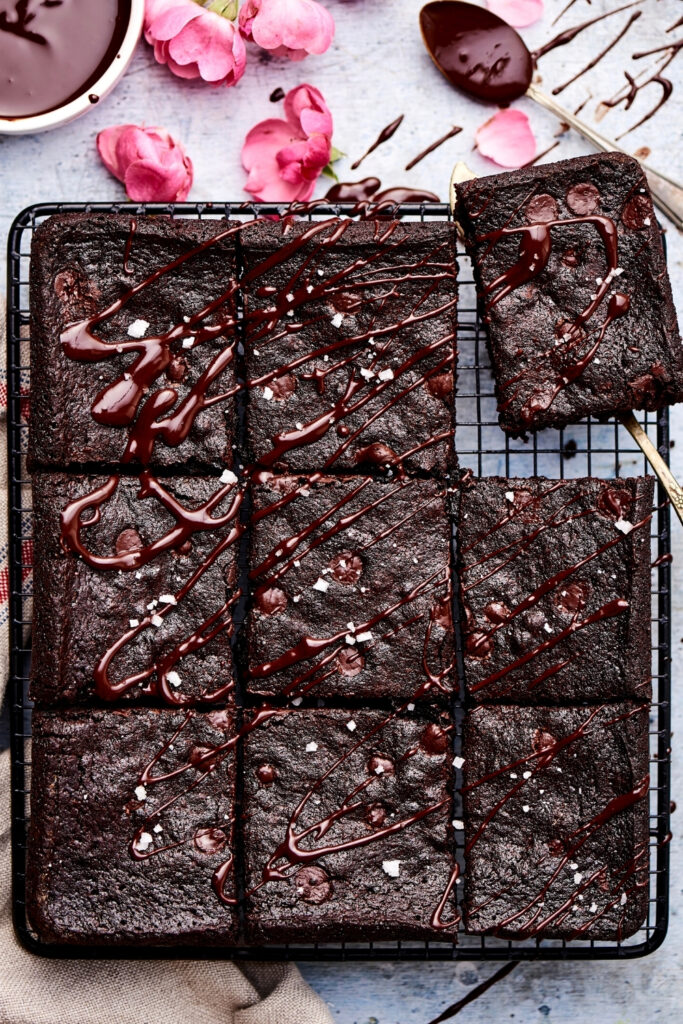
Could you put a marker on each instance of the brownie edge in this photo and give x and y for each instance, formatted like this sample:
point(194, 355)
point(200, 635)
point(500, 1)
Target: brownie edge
point(91, 808)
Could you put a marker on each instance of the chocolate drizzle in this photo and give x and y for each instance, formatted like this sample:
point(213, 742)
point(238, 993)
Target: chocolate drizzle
point(451, 133)
point(603, 53)
point(383, 136)
point(532, 917)
point(571, 33)
point(568, 356)
point(636, 84)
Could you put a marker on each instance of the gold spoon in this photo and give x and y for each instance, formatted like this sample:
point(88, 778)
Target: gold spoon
point(461, 172)
point(480, 54)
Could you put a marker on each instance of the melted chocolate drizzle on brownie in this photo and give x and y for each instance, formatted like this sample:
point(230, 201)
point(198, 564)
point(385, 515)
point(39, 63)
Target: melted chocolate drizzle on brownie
point(546, 748)
point(535, 247)
point(479, 640)
point(150, 415)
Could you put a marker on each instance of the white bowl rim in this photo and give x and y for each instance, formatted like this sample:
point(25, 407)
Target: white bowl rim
point(104, 84)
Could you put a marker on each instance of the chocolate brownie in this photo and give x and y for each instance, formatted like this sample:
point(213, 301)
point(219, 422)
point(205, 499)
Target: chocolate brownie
point(555, 589)
point(350, 344)
point(569, 262)
point(556, 821)
point(351, 587)
point(347, 828)
point(124, 366)
point(129, 826)
point(135, 579)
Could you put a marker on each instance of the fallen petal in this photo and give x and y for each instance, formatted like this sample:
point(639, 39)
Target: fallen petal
point(519, 13)
point(507, 139)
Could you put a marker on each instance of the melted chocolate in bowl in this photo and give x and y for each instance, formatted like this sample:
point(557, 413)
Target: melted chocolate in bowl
point(52, 51)
point(476, 50)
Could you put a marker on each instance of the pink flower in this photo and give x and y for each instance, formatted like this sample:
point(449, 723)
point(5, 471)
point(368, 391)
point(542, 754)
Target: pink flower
point(195, 42)
point(507, 138)
point(285, 158)
point(519, 13)
point(151, 164)
point(288, 28)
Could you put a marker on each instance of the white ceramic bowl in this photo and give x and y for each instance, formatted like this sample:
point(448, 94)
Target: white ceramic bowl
point(104, 84)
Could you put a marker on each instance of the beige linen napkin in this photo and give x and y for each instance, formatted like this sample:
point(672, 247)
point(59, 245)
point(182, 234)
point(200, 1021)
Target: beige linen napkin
point(34, 990)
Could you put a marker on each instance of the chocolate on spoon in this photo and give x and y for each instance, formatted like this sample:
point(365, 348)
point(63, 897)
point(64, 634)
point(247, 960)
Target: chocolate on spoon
point(476, 50)
point(480, 54)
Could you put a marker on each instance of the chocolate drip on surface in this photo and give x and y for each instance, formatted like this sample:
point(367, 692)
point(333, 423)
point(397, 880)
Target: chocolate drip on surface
point(353, 191)
point(455, 130)
point(571, 33)
point(603, 53)
point(628, 94)
point(383, 136)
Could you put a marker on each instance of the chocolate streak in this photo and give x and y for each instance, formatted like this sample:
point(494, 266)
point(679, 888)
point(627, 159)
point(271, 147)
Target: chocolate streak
point(383, 136)
point(535, 248)
point(149, 415)
point(540, 759)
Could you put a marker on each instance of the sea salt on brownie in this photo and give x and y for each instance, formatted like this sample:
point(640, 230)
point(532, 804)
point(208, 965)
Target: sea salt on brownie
point(569, 262)
point(132, 341)
point(350, 344)
point(347, 830)
point(555, 589)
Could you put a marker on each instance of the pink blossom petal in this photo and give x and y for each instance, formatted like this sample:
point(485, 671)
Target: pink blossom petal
point(507, 138)
point(106, 147)
point(213, 45)
point(519, 13)
point(305, 107)
point(194, 41)
point(172, 19)
point(151, 164)
point(288, 27)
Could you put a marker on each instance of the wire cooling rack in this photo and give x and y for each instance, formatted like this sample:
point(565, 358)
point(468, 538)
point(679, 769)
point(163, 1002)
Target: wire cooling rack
point(588, 448)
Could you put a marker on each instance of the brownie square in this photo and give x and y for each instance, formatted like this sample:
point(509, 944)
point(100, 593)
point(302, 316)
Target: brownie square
point(569, 262)
point(138, 287)
point(364, 802)
point(128, 826)
point(351, 587)
point(556, 821)
point(126, 570)
point(350, 344)
point(555, 589)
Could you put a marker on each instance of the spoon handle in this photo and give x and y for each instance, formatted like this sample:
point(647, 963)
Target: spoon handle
point(666, 193)
point(666, 477)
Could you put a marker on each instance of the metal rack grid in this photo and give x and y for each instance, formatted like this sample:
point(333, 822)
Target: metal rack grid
point(589, 448)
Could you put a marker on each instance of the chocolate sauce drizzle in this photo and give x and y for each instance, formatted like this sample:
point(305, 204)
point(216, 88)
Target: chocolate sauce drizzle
point(535, 247)
point(628, 93)
point(383, 136)
point(546, 749)
point(455, 130)
point(479, 639)
point(603, 53)
point(156, 415)
point(562, 38)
